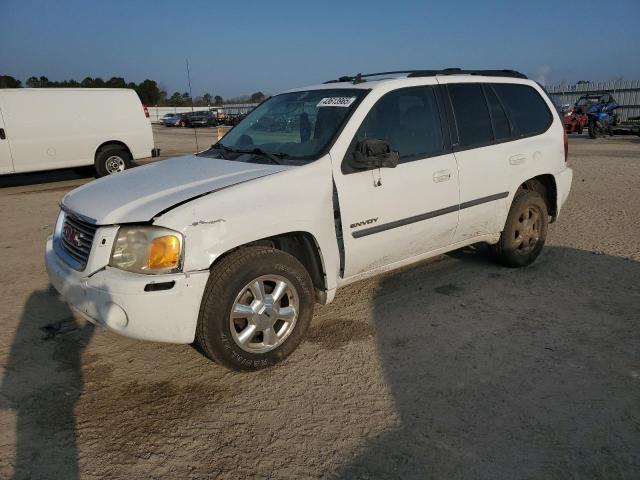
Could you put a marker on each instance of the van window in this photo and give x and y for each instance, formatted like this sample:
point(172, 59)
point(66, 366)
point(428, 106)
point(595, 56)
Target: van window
point(527, 110)
point(501, 129)
point(408, 120)
point(472, 115)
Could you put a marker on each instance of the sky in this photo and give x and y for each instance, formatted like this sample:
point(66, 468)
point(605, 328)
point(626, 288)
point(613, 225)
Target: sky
point(239, 47)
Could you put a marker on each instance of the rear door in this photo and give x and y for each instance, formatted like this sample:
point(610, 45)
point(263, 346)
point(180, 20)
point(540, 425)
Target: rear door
point(498, 146)
point(6, 164)
point(483, 162)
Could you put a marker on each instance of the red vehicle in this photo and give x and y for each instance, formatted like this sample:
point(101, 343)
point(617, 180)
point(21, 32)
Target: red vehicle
point(575, 120)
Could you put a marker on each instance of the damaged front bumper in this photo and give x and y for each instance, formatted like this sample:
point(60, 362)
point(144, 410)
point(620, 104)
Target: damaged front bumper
point(162, 308)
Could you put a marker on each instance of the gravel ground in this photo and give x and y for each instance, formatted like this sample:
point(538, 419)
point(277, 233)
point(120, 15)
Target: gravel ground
point(452, 368)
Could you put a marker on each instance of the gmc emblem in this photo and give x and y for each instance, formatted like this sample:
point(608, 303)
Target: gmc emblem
point(72, 235)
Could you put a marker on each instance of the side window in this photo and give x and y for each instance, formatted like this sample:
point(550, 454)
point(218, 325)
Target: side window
point(408, 120)
point(527, 110)
point(472, 115)
point(501, 128)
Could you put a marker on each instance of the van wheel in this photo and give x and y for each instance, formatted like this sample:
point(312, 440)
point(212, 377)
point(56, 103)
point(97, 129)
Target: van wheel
point(256, 308)
point(525, 231)
point(111, 160)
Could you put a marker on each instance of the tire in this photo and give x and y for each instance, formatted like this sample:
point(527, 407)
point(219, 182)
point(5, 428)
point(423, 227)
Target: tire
point(518, 248)
point(230, 340)
point(111, 160)
point(593, 130)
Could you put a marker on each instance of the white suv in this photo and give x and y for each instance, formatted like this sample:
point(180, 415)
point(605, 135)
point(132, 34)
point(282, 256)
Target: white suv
point(317, 188)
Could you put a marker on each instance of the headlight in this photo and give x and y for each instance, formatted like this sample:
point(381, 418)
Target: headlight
point(146, 249)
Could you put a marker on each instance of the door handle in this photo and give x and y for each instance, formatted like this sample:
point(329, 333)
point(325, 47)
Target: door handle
point(441, 176)
point(517, 159)
point(2, 134)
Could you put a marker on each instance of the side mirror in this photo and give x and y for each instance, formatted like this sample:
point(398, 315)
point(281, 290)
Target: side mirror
point(371, 153)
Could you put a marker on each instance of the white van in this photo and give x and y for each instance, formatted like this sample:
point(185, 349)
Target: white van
point(49, 128)
point(315, 189)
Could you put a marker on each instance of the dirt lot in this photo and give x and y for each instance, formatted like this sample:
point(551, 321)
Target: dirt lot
point(454, 368)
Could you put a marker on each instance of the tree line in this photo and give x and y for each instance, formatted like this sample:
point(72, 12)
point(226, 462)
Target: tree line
point(149, 91)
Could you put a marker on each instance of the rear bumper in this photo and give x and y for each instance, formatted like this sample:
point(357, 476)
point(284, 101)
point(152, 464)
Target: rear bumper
point(563, 187)
point(117, 300)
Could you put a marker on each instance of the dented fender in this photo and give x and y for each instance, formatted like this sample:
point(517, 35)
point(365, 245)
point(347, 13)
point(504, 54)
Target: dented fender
point(298, 199)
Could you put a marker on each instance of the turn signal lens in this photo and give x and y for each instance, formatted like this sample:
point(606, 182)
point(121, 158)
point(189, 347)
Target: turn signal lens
point(164, 252)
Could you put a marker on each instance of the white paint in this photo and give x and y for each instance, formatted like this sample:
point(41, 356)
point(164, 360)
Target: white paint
point(253, 201)
point(49, 128)
point(138, 194)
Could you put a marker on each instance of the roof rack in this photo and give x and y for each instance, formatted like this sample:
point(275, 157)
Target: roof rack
point(359, 78)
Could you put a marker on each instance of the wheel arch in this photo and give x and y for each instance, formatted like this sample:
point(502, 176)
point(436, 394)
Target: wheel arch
point(300, 244)
point(112, 143)
point(545, 185)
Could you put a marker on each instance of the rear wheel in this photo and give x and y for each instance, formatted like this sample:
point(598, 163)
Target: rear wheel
point(110, 160)
point(525, 231)
point(256, 308)
point(594, 130)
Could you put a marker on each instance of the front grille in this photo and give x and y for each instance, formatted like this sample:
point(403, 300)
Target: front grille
point(76, 239)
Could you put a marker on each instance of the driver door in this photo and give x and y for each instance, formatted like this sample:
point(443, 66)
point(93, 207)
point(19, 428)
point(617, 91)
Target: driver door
point(392, 214)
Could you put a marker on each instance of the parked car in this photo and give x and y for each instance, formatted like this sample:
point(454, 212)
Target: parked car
point(218, 113)
point(231, 247)
point(104, 127)
point(234, 119)
point(203, 119)
point(169, 119)
point(186, 119)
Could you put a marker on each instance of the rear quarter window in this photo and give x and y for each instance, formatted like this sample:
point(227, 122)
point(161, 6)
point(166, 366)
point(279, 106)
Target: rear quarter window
point(528, 112)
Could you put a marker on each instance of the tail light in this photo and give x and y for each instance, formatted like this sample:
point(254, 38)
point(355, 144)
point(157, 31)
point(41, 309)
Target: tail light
point(566, 146)
point(146, 110)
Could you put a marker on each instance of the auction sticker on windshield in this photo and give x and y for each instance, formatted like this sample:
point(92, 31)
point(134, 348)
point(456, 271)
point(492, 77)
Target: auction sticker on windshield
point(336, 102)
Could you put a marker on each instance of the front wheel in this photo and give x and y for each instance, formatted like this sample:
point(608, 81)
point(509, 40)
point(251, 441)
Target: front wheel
point(594, 130)
point(256, 308)
point(525, 231)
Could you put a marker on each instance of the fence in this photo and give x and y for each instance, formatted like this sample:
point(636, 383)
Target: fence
point(156, 113)
point(625, 92)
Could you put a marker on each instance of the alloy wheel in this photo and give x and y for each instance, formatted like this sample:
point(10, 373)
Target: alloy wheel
point(527, 229)
point(264, 314)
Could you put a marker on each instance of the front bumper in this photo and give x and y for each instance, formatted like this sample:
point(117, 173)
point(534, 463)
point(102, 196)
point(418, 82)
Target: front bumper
point(117, 300)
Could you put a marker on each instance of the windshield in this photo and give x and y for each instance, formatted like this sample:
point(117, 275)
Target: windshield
point(587, 101)
point(299, 125)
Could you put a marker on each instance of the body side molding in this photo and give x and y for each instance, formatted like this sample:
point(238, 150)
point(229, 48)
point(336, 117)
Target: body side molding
point(425, 216)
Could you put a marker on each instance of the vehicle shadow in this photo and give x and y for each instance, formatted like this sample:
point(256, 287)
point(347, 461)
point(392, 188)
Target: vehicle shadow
point(51, 176)
point(42, 383)
point(61, 175)
point(509, 373)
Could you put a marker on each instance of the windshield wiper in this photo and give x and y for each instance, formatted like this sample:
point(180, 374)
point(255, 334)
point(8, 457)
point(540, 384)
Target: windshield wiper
point(274, 157)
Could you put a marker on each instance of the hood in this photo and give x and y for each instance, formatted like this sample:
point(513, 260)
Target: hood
point(139, 194)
